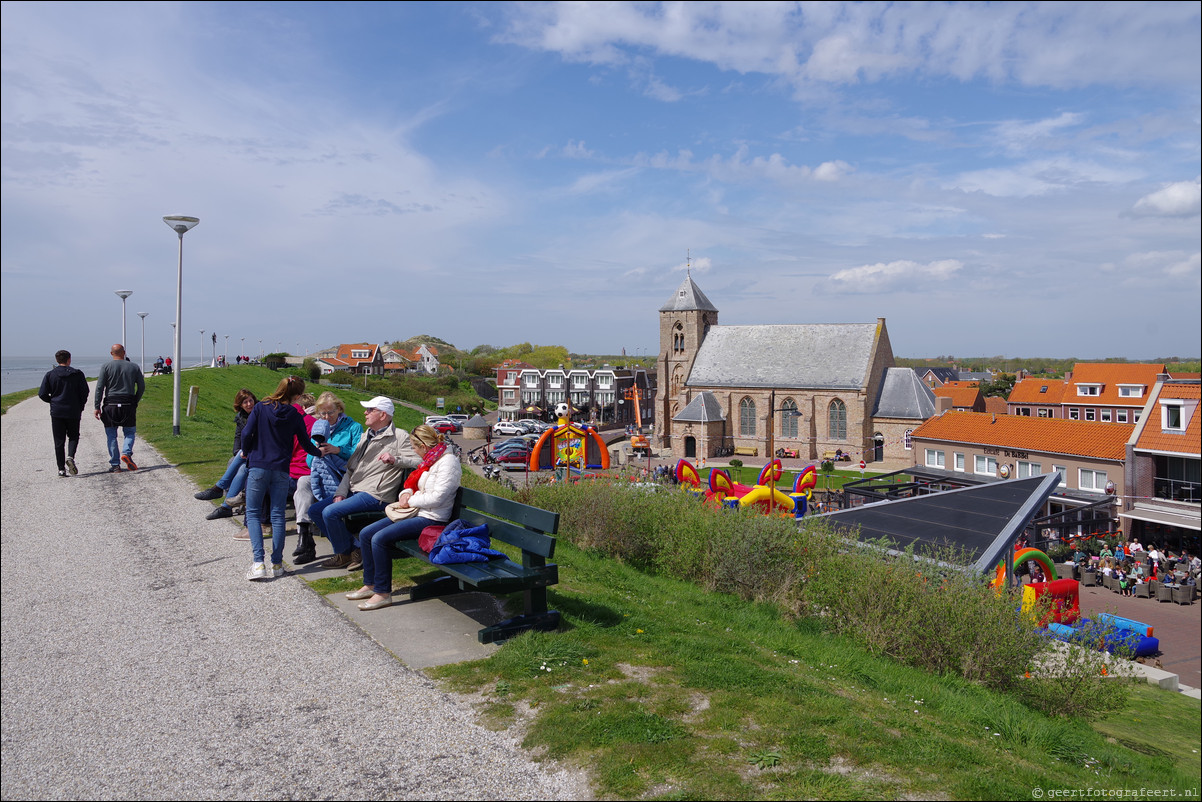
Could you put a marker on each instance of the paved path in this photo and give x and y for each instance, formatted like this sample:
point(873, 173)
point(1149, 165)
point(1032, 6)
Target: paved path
point(139, 663)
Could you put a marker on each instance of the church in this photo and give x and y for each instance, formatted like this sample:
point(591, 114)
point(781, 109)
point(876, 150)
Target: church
point(810, 389)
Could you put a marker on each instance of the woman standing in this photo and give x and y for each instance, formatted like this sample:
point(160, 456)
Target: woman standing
point(431, 490)
point(267, 441)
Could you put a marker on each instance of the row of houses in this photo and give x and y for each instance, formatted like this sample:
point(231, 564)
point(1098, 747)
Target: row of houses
point(603, 395)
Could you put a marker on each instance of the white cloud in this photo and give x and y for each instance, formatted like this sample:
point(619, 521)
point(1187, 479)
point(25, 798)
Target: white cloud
point(1040, 177)
point(892, 276)
point(1182, 199)
point(1019, 137)
point(1033, 44)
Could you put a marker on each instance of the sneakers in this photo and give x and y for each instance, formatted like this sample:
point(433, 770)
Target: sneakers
point(244, 535)
point(257, 571)
point(129, 462)
point(114, 469)
point(211, 494)
point(71, 469)
point(343, 560)
point(277, 570)
point(63, 474)
point(221, 512)
point(235, 500)
point(356, 561)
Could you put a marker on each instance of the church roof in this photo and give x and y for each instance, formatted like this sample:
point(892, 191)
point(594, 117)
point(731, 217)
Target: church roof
point(904, 395)
point(703, 408)
point(688, 298)
point(814, 356)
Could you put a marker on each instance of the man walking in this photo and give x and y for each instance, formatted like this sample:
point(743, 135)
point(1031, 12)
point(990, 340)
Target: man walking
point(118, 391)
point(65, 389)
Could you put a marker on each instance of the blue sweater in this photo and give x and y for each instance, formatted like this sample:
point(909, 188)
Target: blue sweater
point(269, 433)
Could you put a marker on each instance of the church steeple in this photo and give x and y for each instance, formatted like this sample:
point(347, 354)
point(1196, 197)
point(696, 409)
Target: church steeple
point(688, 298)
point(684, 321)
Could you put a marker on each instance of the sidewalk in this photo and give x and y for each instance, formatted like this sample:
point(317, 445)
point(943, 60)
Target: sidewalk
point(138, 662)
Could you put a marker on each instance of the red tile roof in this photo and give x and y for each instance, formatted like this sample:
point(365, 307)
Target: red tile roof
point(962, 394)
point(996, 404)
point(1110, 375)
point(1154, 438)
point(1048, 435)
point(1038, 391)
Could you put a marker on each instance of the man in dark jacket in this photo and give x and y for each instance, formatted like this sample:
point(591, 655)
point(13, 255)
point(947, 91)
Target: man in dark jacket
point(65, 389)
point(119, 388)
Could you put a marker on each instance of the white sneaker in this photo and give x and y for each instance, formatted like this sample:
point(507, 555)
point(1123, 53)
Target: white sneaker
point(257, 571)
point(277, 570)
point(71, 469)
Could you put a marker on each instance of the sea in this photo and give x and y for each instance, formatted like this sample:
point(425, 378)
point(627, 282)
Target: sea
point(25, 372)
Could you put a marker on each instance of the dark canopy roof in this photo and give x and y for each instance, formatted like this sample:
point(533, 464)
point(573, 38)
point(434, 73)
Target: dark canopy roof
point(984, 520)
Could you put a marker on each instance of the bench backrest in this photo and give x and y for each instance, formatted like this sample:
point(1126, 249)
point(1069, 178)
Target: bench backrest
point(528, 528)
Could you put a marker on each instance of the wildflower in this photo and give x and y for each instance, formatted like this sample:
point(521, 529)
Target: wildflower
point(585, 661)
point(638, 632)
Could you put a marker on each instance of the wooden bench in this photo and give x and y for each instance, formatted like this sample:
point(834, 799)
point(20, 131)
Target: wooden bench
point(747, 451)
point(527, 528)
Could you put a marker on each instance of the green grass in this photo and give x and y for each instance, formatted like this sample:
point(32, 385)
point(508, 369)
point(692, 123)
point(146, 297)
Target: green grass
point(12, 399)
point(666, 691)
point(663, 690)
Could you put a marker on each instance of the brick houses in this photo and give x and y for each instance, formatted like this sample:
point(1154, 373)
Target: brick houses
point(1105, 392)
point(1163, 504)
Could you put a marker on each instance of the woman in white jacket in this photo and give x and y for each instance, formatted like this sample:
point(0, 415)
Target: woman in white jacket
point(430, 489)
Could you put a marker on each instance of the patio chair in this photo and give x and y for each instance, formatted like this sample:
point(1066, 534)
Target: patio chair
point(1164, 594)
point(1184, 594)
point(1143, 590)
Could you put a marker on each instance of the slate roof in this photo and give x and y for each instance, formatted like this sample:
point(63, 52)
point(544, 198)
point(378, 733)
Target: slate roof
point(809, 356)
point(1048, 435)
point(1154, 438)
point(904, 395)
point(703, 408)
point(940, 374)
point(688, 298)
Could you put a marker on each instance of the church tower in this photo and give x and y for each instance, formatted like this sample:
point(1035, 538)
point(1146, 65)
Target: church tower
point(683, 323)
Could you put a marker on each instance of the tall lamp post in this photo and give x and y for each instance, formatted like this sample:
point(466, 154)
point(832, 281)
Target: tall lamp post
point(789, 412)
point(123, 294)
point(143, 316)
point(180, 225)
point(242, 351)
point(202, 346)
point(225, 354)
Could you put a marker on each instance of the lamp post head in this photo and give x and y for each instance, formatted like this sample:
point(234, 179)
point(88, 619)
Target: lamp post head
point(143, 315)
point(123, 294)
point(180, 224)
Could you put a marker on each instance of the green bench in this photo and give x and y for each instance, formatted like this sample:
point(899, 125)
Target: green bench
point(519, 525)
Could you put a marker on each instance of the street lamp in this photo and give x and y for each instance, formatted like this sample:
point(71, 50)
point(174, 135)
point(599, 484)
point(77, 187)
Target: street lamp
point(225, 353)
point(242, 351)
point(180, 225)
point(143, 316)
point(789, 412)
point(202, 346)
point(123, 294)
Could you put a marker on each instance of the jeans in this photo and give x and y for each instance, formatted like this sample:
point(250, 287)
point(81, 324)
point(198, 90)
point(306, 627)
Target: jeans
point(328, 514)
point(374, 541)
point(64, 430)
point(263, 483)
point(233, 481)
point(127, 447)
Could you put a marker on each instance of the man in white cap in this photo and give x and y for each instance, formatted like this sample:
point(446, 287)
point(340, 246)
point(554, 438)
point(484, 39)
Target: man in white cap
point(372, 480)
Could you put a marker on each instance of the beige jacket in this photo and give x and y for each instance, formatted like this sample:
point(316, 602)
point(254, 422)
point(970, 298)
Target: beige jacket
point(366, 474)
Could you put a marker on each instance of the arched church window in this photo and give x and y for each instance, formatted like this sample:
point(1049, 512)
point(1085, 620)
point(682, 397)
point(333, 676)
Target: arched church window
point(837, 418)
point(747, 418)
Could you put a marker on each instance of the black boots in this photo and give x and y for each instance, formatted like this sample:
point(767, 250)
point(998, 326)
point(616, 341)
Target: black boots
point(306, 549)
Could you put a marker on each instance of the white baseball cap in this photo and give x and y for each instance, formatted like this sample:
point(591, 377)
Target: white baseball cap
point(381, 403)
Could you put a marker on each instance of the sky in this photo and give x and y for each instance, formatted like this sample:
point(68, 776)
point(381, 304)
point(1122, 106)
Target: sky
point(1018, 179)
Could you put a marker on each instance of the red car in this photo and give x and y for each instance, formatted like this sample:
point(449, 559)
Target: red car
point(445, 427)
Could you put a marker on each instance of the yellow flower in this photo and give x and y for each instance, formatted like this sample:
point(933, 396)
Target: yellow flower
point(638, 632)
point(585, 661)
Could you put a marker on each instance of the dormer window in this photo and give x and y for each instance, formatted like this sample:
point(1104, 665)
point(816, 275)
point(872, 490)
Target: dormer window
point(1089, 389)
point(1131, 390)
point(1172, 416)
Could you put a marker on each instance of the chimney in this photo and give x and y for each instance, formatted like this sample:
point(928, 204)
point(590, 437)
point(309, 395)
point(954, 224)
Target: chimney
point(994, 419)
point(942, 404)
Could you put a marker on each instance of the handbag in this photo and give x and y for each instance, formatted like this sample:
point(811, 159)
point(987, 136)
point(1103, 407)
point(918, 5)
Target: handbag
point(396, 512)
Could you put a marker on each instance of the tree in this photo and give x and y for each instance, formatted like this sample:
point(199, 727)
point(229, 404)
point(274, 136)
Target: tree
point(1001, 386)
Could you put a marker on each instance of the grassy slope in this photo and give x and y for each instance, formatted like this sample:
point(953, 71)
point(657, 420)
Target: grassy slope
point(689, 694)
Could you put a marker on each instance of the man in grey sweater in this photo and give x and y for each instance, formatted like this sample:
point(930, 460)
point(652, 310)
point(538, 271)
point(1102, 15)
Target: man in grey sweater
point(119, 388)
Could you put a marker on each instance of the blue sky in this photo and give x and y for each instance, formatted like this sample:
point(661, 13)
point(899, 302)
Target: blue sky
point(1016, 178)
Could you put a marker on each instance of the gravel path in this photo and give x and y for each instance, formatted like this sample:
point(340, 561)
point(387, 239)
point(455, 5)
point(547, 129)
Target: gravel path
point(138, 663)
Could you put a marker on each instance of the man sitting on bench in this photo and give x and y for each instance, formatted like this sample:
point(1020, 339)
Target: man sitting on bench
point(373, 477)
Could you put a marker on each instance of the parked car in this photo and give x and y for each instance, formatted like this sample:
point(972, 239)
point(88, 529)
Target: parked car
point(513, 456)
point(460, 419)
point(445, 426)
point(507, 427)
point(533, 425)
